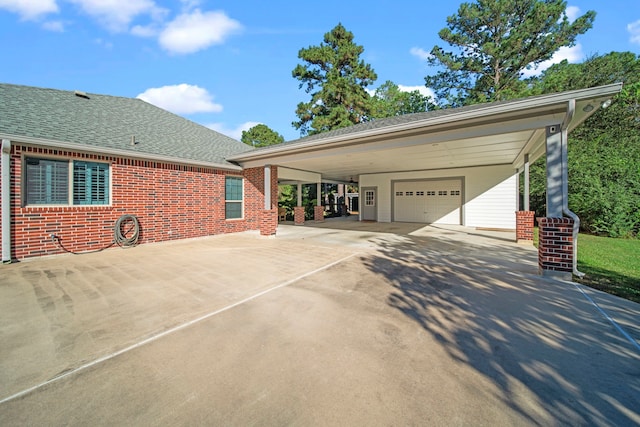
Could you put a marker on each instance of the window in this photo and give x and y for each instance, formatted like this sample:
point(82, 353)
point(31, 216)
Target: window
point(431, 193)
point(47, 182)
point(90, 183)
point(442, 193)
point(454, 192)
point(233, 197)
point(419, 193)
point(369, 198)
point(409, 193)
point(398, 193)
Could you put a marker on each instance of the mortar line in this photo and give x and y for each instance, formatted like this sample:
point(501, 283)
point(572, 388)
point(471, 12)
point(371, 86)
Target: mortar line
point(170, 331)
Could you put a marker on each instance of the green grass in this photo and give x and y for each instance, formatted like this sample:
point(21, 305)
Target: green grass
point(610, 265)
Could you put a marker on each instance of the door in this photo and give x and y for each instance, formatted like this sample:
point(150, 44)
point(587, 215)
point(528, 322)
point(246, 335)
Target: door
point(369, 204)
point(428, 201)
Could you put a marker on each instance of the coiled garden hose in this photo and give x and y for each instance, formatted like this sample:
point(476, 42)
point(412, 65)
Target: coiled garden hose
point(126, 231)
point(125, 234)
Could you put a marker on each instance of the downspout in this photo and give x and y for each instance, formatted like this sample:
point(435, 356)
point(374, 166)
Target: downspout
point(571, 109)
point(5, 195)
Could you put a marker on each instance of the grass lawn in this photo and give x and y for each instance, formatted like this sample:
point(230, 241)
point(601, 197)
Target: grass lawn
point(610, 265)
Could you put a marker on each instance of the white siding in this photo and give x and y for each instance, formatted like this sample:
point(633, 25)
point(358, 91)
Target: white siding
point(489, 193)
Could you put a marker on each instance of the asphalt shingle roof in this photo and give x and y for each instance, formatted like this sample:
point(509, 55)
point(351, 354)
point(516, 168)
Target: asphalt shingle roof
point(395, 120)
point(109, 122)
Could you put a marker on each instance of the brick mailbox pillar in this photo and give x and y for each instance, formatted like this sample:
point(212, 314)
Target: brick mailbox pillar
point(318, 213)
point(269, 222)
point(555, 249)
point(524, 226)
point(298, 215)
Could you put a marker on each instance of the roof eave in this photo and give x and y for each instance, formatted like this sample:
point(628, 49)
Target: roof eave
point(490, 110)
point(72, 146)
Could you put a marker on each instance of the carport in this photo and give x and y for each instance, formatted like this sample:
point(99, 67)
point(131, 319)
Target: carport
point(478, 150)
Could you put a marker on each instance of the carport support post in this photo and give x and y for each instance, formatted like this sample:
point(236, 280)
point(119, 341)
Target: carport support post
point(526, 182)
point(555, 249)
point(525, 218)
point(269, 220)
point(298, 211)
point(318, 210)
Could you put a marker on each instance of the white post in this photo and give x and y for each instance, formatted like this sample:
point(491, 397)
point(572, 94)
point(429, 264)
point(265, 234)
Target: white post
point(299, 194)
point(267, 187)
point(5, 194)
point(319, 191)
point(526, 182)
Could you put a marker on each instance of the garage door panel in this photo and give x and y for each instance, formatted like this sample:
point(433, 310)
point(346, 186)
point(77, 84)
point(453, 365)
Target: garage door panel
point(430, 201)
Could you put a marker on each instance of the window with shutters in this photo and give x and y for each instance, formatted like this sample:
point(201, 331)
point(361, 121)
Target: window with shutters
point(64, 182)
point(90, 183)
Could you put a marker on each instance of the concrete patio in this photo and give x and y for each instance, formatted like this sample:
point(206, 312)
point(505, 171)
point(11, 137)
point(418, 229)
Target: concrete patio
point(334, 323)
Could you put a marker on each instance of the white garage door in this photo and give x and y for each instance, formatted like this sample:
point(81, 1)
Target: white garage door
point(432, 201)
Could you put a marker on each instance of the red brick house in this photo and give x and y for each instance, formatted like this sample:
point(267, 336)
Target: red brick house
point(73, 163)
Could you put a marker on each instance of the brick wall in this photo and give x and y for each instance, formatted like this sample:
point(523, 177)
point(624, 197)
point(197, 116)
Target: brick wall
point(318, 213)
point(555, 249)
point(171, 202)
point(298, 215)
point(524, 226)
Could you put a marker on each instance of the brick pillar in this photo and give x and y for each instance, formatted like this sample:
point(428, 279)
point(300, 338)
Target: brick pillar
point(269, 222)
point(555, 249)
point(524, 227)
point(318, 213)
point(298, 215)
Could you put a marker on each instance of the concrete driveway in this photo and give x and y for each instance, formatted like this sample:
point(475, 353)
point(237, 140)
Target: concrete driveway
point(385, 325)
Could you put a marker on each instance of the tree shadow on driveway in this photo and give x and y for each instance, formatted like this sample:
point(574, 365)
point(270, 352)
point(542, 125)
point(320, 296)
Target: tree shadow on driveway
point(550, 353)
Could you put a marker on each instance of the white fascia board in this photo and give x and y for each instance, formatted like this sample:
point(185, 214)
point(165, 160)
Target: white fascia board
point(490, 110)
point(72, 146)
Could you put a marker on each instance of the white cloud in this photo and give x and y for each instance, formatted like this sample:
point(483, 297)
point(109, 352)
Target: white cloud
point(181, 99)
point(191, 32)
point(571, 54)
point(188, 5)
point(420, 53)
point(424, 91)
point(233, 133)
point(29, 9)
point(572, 12)
point(56, 26)
point(145, 30)
point(116, 15)
point(634, 31)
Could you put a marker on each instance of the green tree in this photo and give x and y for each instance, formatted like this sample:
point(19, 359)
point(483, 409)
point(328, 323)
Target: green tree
point(604, 152)
point(494, 41)
point(336, 77)
point(261, 136)
point(389, 101)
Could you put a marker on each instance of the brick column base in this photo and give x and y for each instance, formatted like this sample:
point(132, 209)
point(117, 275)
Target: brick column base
point(555, 249)
point(269, 222)
point(318, 213)
point(298, 215)
point(524, 227)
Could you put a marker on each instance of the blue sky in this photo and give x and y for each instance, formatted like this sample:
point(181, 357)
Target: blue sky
point(227, 64)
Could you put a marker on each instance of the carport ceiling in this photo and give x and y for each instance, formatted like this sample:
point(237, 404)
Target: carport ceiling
point(497, 133)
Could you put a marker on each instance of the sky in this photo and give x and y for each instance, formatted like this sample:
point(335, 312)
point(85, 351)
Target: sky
point(227, 64)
